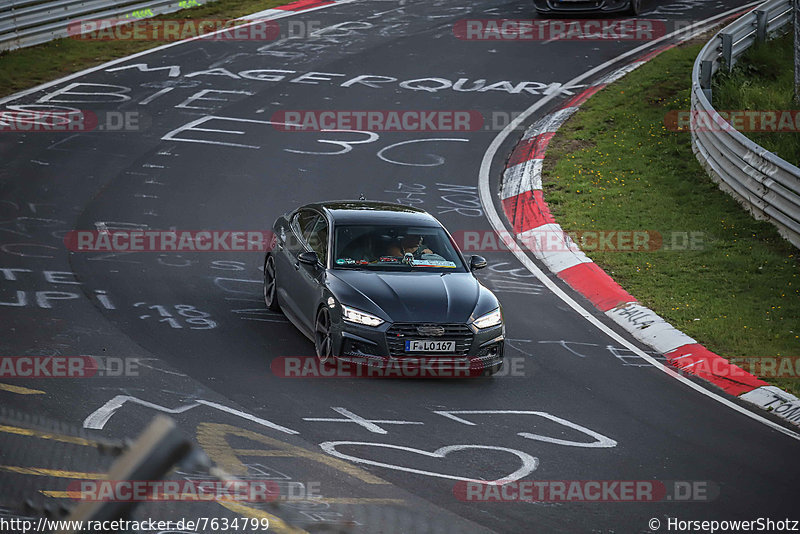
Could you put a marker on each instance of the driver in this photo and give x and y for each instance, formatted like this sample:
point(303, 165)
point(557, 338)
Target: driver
point(408, 244)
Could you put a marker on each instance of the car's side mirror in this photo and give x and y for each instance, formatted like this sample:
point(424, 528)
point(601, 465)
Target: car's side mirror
point(308, 258)
point(477, 262)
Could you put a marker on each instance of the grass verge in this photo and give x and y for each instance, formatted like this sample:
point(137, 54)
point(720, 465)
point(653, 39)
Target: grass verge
point(615, 166)
point(26, 67)
point(763, 80)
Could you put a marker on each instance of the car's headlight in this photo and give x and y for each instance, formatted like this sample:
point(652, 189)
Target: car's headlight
point(359, 317)
point(493, 318)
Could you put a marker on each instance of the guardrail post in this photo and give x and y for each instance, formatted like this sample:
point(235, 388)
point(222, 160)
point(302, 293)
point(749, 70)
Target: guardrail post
point(727, 50)
point(761, 26)
point(705, 77)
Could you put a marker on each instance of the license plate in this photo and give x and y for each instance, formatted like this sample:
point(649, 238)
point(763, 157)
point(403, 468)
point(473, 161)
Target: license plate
point(424, 345)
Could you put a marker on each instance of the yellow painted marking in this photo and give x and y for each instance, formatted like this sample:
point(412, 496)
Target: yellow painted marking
point(57, 494)
point(78, 495)
point(275, 523)
point(61, 494)
point(262, 452)
point(212, 438)
point(57, 473)
point(19, 390)
point(46, 435)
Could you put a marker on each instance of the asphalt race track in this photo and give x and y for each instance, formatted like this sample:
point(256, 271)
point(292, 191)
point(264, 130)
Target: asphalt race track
point(385, 454)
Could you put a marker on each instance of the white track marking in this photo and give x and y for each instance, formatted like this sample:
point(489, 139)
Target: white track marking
point(529, 463)
point(347, 146)
point(98, 418)
point(369, 424)
point(192, 127)
point(439, 159)
point(245, 415)
point(602, 441)
point(494, 219)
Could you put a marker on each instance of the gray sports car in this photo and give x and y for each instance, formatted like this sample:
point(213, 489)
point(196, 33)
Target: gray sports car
point(380, 284)
point(629, 7)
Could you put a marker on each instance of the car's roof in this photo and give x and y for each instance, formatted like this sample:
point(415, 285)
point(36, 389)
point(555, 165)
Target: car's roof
point(365, 211)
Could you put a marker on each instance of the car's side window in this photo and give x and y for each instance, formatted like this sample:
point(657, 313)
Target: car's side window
point(317, 238)
point(303, 221)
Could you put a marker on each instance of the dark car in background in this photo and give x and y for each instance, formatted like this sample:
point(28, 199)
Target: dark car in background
point(375, 284)
point(566, 7)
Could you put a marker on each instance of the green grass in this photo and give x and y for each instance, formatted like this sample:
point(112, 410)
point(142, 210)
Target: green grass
point(26, 67)
point(763, 79)
point(614, 166)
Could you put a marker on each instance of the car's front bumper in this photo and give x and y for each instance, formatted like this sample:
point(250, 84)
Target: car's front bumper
point(381, 348)
point(581, 6)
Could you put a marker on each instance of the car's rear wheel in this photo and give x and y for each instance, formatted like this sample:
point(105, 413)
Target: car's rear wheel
point(270, 285)
point(635, 8)
point(322, 336)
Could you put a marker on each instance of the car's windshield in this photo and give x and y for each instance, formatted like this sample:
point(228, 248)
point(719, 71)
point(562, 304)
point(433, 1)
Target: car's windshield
point(393, 247)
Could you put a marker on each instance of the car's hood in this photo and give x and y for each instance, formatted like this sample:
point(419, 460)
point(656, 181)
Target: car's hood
point(413, 297)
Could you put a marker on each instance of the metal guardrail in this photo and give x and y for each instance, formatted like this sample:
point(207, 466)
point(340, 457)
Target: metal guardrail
point(31, 22)
point(766, 185)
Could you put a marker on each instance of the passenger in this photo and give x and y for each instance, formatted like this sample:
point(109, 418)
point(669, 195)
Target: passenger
point(407, 245)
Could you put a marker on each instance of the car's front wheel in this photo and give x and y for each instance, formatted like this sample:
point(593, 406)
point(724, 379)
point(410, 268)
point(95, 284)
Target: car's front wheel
point(635, 7)
point(270, 285)
point(322, 336)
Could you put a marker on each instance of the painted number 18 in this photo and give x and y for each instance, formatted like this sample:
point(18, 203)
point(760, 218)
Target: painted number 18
point(198, 320)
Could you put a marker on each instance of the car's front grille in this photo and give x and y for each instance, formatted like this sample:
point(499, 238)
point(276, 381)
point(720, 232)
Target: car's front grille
point(398, 333)
point(574, 5)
